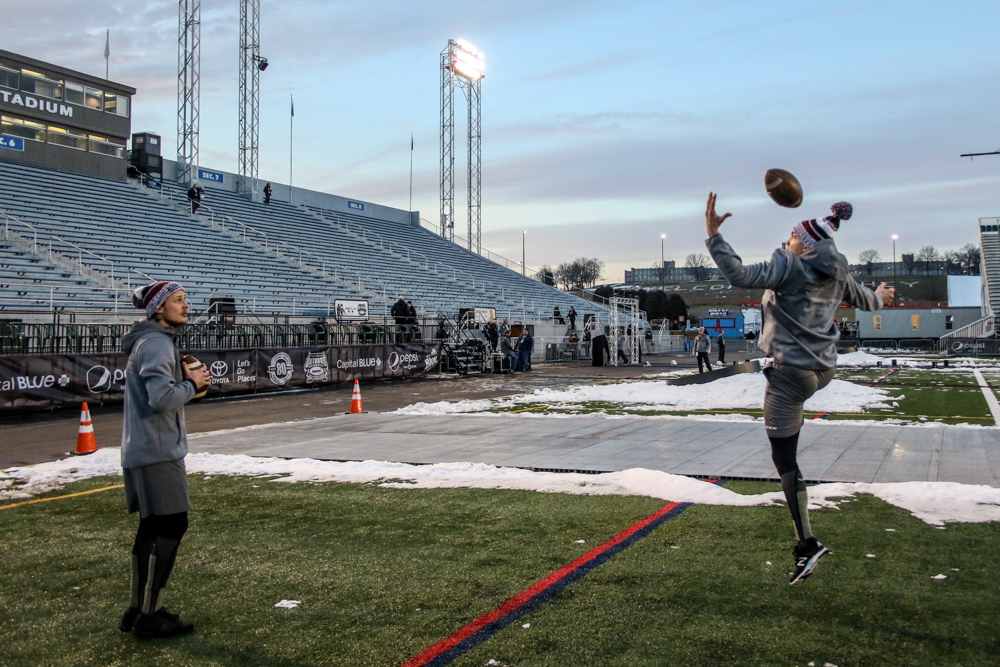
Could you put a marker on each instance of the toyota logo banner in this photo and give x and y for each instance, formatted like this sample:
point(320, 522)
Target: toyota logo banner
point(45, 381)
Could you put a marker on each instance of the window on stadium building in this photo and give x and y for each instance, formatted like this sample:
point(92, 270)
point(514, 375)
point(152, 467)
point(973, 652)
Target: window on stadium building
point(74, 93)
point(19, 127)
point(60, 136)
point(41, 85)
point(10, 78)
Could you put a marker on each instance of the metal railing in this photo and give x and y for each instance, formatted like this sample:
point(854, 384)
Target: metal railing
point(977, 329)
point(60, 246)
point(53, 338)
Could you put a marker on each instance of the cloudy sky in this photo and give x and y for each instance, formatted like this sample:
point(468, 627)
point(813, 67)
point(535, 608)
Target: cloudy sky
point(605, 124)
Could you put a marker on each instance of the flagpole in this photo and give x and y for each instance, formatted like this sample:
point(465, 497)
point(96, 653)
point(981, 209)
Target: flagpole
point(291, 137)
point(411, 172)
point(107, 53)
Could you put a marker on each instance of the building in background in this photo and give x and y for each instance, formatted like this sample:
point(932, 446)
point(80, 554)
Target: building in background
point(56, 117)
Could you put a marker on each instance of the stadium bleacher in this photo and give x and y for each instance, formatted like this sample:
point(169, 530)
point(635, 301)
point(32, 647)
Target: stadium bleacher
point(107, 236)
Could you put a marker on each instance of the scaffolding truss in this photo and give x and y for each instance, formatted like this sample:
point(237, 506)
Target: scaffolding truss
point(456, 72)
point(249, 131)
point(625, 323)
point(188, 88)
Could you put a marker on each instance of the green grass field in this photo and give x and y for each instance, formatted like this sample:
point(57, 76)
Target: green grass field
point(385, 573)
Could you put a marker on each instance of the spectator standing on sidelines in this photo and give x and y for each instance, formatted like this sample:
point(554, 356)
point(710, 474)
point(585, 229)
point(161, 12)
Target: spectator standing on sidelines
point(194, 195)
point(648, 336)
point(525, 344)
point(703, 348)
point(399, 314)
point(154, 444)
point(804, 284)
point(508, 351)
point(411, 320)
point(722, 347)
point(621, 346)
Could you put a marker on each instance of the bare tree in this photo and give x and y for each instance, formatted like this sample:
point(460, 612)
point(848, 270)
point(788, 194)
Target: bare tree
point(581, 272)
point(546, 275)
point(971, 259)
point(591, 270)
point(661, 272)
point(869, 258)
point(927, 255)
point(699, 265)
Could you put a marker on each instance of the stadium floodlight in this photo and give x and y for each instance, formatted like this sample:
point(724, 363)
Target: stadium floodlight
point(467, 61)
point(461, 67)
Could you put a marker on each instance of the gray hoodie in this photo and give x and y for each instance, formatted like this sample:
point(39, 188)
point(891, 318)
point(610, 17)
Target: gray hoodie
point(802, 295)
point(153, 428)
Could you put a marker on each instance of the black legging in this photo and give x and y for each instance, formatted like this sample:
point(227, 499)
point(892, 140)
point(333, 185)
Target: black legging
point(156, 541)
point(784, 455)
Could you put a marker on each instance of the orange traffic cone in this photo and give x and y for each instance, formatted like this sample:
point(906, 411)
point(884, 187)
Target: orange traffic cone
point(86, 443)
point(356, 400)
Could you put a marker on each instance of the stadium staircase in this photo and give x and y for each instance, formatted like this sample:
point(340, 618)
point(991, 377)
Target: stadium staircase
point(465, 351)
point(989, 241)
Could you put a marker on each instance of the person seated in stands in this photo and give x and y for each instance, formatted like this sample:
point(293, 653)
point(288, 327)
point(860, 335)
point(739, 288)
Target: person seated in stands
point(557, 316)
point(573, 338)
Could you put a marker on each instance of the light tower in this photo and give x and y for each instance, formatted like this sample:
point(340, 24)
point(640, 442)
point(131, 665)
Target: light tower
point(188, 87)
point(251, 65)
point(462, 67)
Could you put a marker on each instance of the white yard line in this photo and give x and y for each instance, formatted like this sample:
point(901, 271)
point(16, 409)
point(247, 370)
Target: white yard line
point(991, 398)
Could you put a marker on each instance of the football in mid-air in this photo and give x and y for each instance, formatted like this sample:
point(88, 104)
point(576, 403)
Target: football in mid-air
point(194, 364)
point(783, 188)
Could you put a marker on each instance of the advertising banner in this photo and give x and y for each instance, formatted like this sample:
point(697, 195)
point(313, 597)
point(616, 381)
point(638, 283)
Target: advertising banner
point(45, 381)
point(350, 311)
point(973, 347)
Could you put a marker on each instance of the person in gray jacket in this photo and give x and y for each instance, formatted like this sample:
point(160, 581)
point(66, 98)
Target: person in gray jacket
point(154, 444)
point(703, 348)
point(804, 283)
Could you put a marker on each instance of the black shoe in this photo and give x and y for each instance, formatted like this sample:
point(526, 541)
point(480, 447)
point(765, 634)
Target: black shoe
point(807, 554)
point(160, 624)
point(128, 619)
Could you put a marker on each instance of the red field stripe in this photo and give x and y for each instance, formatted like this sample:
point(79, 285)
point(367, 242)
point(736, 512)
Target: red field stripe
point(523, 597)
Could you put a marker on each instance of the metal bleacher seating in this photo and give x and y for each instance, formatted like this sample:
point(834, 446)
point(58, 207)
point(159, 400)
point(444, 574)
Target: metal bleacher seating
point(106, 236)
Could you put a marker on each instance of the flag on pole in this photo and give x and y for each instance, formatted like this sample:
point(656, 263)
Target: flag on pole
point(411, 143)
point(293, 105)
point(107, 44)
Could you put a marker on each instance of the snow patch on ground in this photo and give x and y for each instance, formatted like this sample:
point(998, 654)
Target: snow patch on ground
point(935, 503)
point(744, 391)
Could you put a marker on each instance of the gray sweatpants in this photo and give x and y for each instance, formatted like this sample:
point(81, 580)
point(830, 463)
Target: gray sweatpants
point(787, 389)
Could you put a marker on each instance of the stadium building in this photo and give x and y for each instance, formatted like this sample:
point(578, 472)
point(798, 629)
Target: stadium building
point(56, 117)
